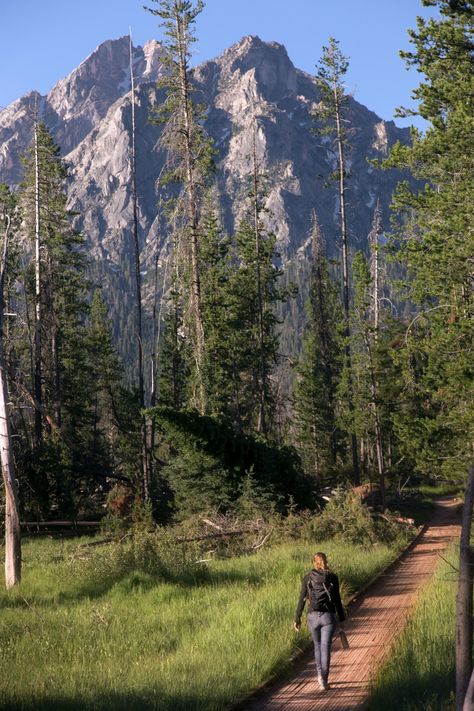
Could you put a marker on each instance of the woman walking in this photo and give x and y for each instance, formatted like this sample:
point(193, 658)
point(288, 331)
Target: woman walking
point(321, 588)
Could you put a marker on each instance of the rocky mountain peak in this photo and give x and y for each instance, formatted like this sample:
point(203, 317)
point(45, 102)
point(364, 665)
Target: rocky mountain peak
point(252, 84)
point(274, 72)
point(78, 103)
point(152, 67)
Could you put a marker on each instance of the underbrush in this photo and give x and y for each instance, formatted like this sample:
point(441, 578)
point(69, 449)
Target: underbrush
point(419, 675)
point(154, 622)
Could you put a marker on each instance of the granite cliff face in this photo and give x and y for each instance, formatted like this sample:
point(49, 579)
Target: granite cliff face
point(89, 115)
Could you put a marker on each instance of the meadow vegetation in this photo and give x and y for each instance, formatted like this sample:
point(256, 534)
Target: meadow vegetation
point(152, 623)
point(419, 675)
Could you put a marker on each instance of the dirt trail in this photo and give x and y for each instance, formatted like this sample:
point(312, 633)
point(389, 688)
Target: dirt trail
point(375, 620)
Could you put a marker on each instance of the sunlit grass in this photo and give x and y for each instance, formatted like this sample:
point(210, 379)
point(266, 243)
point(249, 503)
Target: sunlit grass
point(441, 489)
point(95, 633)
point(419, 674)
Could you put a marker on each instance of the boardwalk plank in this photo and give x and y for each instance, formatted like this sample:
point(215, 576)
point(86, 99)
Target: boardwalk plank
point(375, 621)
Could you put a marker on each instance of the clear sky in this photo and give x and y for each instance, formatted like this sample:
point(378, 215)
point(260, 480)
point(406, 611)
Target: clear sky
point(43, 40)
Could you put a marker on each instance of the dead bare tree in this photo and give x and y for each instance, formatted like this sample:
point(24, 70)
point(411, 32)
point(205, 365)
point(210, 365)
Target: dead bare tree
point(464, 607)
point(37, 375)
point(375, 301)
point(12, 507)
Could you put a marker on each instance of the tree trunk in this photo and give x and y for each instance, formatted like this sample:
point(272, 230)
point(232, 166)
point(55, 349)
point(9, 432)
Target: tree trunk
point(145, 460)
point(323, 326)
point(156, 321)
point(191, 189)
point(469, 700)
point(345, 273)
point(37, 385)
point(464, 622)
point(374, 386)
point(378, 432)
point(12, 508)
point(56, 375)
point(262, 405)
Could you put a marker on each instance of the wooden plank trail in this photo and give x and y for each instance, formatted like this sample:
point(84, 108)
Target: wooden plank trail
point(375, 620)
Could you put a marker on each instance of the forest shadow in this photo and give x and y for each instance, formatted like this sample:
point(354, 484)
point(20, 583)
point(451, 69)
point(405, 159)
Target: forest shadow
point(136, 579)
point(113, 701)
point(431, 690)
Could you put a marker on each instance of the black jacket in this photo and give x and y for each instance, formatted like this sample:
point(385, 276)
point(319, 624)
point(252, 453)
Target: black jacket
point(331, 581)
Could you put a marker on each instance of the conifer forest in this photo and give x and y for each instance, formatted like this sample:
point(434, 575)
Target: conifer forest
point(230, 385)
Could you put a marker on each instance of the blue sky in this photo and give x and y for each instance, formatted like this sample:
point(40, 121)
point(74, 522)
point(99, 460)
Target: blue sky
point(42, 41)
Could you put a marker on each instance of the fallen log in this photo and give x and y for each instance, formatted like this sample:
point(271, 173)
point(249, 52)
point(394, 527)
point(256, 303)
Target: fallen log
point(394, 519)
point(217, 534)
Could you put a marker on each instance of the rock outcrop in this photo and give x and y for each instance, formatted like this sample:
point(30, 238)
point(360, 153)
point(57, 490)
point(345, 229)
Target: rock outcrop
point(90, 117)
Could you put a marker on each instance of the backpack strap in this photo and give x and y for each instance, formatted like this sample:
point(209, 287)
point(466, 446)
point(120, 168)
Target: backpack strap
point(328, 593)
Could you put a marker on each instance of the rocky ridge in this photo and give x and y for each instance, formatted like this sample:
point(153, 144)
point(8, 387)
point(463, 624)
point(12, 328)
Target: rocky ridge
point(90, 116)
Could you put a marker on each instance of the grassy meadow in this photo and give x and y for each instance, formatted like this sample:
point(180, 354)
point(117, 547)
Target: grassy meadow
point(136, 626)
point(419, 675)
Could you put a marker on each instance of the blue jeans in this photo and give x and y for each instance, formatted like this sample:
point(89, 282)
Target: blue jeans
point(322, 626)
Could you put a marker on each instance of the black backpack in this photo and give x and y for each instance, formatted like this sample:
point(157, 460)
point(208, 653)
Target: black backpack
point(319, 592)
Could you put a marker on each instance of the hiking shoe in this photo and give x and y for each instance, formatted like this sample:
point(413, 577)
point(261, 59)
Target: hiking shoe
point(321, 682)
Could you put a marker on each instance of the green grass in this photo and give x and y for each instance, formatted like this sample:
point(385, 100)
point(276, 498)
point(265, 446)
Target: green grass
point(419, 675)
point(432, 491)
point(96, 633)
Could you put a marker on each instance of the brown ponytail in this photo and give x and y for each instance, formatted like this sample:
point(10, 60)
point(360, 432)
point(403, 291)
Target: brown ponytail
point(320, 561)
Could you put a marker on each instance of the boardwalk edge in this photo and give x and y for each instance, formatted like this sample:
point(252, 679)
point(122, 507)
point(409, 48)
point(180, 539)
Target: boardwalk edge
point(299, 653)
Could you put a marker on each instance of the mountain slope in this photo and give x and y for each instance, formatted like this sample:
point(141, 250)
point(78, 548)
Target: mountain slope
point(89, 115)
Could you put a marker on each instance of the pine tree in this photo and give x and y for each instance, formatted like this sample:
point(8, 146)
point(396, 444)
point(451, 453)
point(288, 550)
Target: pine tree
point(331, 119)
point(220, 356)
point(436, 244)
point(318, 437)
point(55, 298)
point(189, 159)
point(173, 358)
point(366, 370)
point(113, 440)
point(256, 291)
point(145, 454)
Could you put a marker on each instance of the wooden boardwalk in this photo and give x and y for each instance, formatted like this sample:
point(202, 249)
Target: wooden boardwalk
point(375, 620)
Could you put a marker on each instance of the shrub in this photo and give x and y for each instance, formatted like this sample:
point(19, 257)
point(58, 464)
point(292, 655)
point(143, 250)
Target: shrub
point(345, 517)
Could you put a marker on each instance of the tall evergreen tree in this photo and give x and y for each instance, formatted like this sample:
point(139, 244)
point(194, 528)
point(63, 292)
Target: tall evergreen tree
point(318, 371)
point(189, 158)
point(60, 289)
point(113, 440)
point(220, 355)
point(256, 291)
point(145, 458)
point(366, 371)
point(331, 117)
point(55, 289)
point(436, 244)
point(173, 357)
